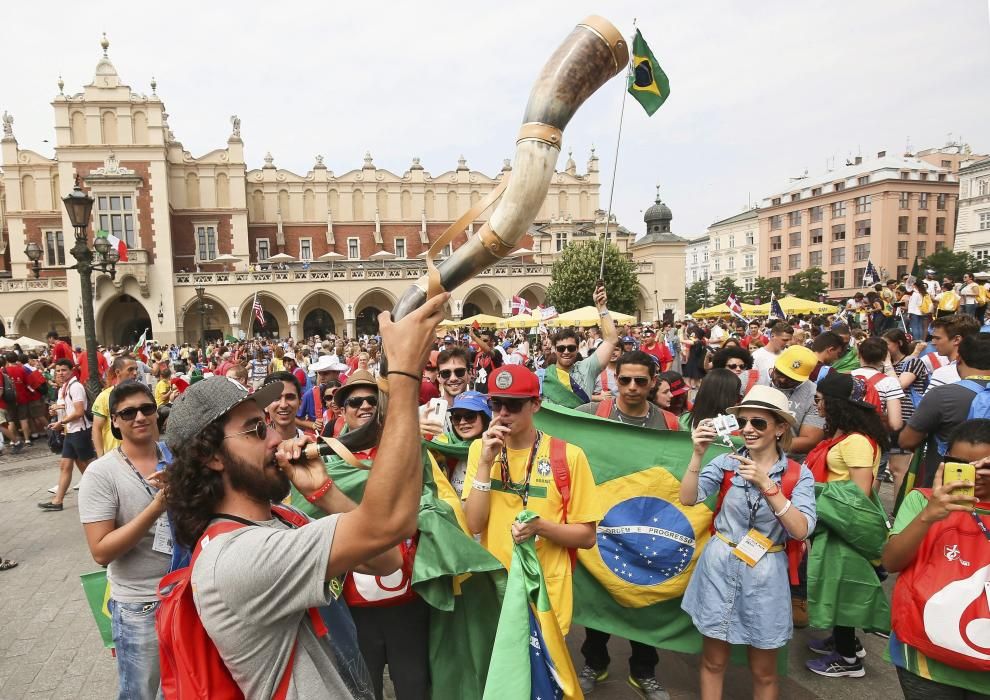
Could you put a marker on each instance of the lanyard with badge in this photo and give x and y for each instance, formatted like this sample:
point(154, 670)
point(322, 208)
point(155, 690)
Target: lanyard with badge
point(755, 544)
point(163, 534)
point(522, 490)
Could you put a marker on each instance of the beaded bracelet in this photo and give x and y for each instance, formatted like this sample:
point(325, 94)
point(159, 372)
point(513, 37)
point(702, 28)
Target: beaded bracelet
point(320, 492)
point(481, 485)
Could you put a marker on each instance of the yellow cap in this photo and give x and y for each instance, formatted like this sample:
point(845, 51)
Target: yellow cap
point(796, 362)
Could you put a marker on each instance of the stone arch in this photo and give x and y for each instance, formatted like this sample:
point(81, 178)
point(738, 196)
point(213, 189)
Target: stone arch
point(561, 204)
point(77, 128)
point(368, 306)
point(214, 324)
point(258, 205)
point(192, 190)
point(139, 128)
point(56, 193)
point(38, 317)
point(357, 205)
point(381, 203)
point(223, 190)
point(108, 127)
point(585, 206)
point(482, 299)
point(283, 203)
point(29, 195)
point(320, 313)
point(333, 203)
point(429, 204)
point(406, 205)
point(309, 205)
point(276, 316)
point(535, 294)
point(122, 319)
point(475, 197)
point(451, 205)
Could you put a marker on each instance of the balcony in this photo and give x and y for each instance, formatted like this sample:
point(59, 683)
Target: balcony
point(136, 267)
point(32, 285)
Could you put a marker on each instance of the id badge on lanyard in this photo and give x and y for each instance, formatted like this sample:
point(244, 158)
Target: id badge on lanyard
point(755, 544)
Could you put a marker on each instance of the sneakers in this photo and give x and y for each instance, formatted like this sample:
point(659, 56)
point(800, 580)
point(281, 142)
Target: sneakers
point(648, 688)
point(799, 611)
point(48, 505)
point(54, 489)
point(16, 447)
point(827, 646)
point(588, 677)
point(834, 666)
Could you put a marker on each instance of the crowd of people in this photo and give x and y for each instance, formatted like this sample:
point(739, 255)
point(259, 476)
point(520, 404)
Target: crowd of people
point(186, 446)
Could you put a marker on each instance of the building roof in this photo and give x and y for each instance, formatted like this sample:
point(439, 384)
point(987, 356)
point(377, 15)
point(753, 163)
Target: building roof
point(749, 214)
point(700, 239)
point(978, 165)
point(651, 238)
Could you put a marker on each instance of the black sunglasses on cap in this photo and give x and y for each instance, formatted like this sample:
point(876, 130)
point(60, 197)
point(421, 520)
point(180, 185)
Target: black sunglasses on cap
point(130, 413)
point(457, 371)
point(357, 401)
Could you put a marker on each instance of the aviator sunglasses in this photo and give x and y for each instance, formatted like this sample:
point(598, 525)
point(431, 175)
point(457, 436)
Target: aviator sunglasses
point(129, 414)
point(458, 416)
point(759, 424)
point(640, 381)
point(260, 431)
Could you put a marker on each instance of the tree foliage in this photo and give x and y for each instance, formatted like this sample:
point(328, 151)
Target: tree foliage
point(808, 284)
point(572, 280)
point(952, 264)
point(696, 296)
point(723, 288)
point(762, 287)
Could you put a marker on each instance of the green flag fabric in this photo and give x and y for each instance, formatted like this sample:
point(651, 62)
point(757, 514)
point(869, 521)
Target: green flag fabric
point(647, 81)
point(555, 391)
point(97, 590)
point(455, 575)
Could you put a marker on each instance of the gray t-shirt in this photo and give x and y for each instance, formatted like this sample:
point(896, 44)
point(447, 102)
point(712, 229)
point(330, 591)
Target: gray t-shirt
point(653, 419)
point(252, 588)
point(585, 372)
point(112, 490)
point(801, 400)
point(940, 412)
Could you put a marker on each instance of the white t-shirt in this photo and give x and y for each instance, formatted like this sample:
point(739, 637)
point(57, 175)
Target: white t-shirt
point(933, 361)
point(763, 360)
point(947, 374)
point(68, 395)
point(969, 293)
point(914, 303)
point(888, 387)
point(933, 286)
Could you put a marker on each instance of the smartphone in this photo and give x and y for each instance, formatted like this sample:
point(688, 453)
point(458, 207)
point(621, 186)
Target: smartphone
point(959, 471)
point(438, 410)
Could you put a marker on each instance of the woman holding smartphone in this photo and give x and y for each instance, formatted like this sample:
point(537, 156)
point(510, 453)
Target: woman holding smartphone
point(739, 592)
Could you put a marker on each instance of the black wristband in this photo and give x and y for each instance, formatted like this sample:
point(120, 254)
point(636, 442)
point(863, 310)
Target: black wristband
point(404, 374)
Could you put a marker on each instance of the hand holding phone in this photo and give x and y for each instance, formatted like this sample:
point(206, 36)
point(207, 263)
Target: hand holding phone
point(960, 472)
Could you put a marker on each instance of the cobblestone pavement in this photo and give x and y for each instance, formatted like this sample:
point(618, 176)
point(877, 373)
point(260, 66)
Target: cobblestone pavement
point(50, 648)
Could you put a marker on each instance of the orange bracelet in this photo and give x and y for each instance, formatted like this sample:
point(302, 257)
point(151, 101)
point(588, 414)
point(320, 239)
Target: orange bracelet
point(772, 491)
point(320, 492)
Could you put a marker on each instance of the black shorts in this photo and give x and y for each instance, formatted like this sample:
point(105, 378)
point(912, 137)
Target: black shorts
point(38, 408)
point(79, 446)
point(19, 412)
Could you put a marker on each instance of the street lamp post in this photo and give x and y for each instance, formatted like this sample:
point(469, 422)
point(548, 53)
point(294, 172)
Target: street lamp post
point(203, 309)
point(79, 205)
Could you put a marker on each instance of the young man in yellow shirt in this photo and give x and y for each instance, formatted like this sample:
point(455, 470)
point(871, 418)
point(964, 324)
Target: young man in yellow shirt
point(509, 469)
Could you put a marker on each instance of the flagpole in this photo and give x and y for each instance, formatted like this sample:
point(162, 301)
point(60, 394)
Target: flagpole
point(251, 322)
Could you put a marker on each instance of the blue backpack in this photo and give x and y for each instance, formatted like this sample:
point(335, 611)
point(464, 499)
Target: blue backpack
point(980, 408)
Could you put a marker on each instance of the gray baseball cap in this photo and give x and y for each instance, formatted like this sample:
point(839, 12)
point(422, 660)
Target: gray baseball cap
point(207, 400)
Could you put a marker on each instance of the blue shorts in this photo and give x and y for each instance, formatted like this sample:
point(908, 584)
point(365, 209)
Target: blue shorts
point(79, 446)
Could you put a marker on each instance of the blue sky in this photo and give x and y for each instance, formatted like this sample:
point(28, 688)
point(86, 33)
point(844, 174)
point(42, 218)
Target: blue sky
point(760, 91)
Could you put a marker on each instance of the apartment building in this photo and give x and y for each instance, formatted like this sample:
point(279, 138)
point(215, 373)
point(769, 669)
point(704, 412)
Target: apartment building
point(733, 249)
point(696, 260)
point(973, 222)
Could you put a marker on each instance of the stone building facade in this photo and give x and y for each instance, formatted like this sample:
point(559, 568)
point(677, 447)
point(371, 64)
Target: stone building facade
point(357, 239)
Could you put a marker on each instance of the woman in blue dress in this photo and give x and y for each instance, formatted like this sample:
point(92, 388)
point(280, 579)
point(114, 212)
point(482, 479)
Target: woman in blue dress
point(731, 600)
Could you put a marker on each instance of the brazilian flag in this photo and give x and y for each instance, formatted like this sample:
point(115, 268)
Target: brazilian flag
point(647, 81)
point(97, 591)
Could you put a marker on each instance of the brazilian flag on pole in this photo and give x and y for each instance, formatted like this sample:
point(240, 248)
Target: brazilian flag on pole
point(647, 81)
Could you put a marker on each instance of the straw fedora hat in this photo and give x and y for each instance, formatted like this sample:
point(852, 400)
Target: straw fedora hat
point(766, 398)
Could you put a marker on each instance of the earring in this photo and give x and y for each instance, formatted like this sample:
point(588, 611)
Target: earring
point(779, 435)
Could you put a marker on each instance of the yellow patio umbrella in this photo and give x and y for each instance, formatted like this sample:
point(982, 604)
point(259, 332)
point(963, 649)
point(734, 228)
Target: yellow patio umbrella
point(791, 305)
point(588, 316)
point(524, 320)
point(722, 310)
point(481, 319)
point(450, 323)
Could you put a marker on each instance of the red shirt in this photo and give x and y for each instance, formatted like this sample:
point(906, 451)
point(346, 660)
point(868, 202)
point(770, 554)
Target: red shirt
point(18, 375)
point(661, 352)
point(61, 351)
point(83, 370)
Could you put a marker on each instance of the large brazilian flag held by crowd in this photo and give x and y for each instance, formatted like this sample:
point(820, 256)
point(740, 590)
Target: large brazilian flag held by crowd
point(632, 581)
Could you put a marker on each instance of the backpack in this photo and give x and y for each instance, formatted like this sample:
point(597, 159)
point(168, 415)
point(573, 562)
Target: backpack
point(926, 305)
point(788, 480)
point(948, 302)
point(191, 666)
point(562, 480)
point(817, 460)
point(370, 591)
point(87, 406)
point(979, 408)
point(872, 397)
point(981, 295)
point(939, 598)
point(9, 392)
point(604, 410)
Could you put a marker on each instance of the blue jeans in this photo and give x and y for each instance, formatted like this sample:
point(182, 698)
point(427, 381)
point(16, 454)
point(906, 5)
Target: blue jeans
point(917, 327)
point(136, 640)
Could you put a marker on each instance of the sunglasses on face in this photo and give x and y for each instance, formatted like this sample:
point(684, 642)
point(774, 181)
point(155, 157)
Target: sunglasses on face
point(260, 431)
point(357, 401)
point(328, 398)
point(458, 416)
point(566, 348)
point(758, 424)
point(510, 405)
point(640, 381)
point(735, 365)
point(457, 372)
point(129, 414)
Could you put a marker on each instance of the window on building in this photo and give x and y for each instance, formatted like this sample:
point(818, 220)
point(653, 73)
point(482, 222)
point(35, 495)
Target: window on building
point(794, 239)
point(838, 256)
point(862, 228)
point(794, 261)
point(775, 243)
point(775, 264)
point(940, 225)
point(732, 262)
point(940, 201)
point(694, 258)
point(796, 197)
point(839, 232)
point(54, 248)
point(982, 254)
point(858, 273)
point(262, 249)
point(839, 186)
point(864, 180)
point(694, 275)
point(861, 252)
point(863, 204)
point(902, 249)
point(941, 177)
point(776, 221)
point(815, 191)
point(816, 214)
point(984, 221)
point(748, 284)
point(305, 248)
point(946, 163)
point(206, 242)
point(922, 176)
point(794, 218)
point(901, 271)
point(400, 247)
point(775, 201)
point(838, 210)
point(905, 175)
point(923, 200)
point(905, 200)
point(449, 248)
point(116, 216)
point(732, 241)
point(559, 240)
point(922, 249)
point(749, 238)
point(718, 264)
point(984, 187)
point(718, 244)
point(922, 224)
point(705, 255)
point(816, 236)
point(939, 246)
point(838, 279)
point(902, 224)
point(815, 258)
point(748, 260)
point(353, 249)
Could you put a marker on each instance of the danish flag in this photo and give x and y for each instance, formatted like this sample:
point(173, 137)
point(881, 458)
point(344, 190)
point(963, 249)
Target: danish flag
point(519, 306)
point(733, 303)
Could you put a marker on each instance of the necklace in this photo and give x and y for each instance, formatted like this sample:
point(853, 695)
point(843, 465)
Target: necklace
point(520, 489)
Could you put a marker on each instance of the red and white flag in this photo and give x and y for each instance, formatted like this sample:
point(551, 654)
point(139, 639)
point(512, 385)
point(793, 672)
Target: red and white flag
point(735, 308)
point(547, 312)
point(115, 243)
point(519, 306)
point(259, 311)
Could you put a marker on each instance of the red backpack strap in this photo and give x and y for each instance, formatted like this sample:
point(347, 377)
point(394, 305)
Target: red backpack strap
point(875, 379)
point(604, 410)
point(317, 402)
point(670, 419)
point(723, 489)
point(604, 379)
point(794, 548)
point(562, 479)
point(290, 515)
point(754, 376)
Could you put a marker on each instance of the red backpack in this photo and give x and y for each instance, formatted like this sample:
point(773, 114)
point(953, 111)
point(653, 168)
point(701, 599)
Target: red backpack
point(191, 666)
point(817, 459)
point(940, 599)
point(370, 591)
point(789, 479)
point(562, 480)
point(604, 410)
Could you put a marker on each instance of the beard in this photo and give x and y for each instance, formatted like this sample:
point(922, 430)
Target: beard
point(256, 483)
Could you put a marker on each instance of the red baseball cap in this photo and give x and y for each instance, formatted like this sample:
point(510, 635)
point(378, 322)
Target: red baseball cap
point(514, 382)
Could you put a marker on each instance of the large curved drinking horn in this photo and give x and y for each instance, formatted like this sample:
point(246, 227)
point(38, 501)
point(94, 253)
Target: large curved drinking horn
point(592, 53)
